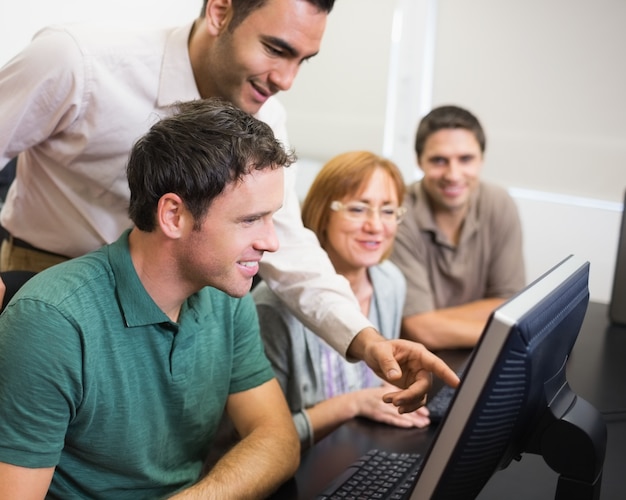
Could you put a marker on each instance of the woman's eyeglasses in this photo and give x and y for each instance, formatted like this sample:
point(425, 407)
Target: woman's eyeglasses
point(358, 211)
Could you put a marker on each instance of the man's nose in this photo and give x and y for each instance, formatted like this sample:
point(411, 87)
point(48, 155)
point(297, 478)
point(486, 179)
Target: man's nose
point(268, 242)
point(283, 76)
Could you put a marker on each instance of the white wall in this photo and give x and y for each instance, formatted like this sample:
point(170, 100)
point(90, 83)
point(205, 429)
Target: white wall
point(555, 226)
point(546, 79)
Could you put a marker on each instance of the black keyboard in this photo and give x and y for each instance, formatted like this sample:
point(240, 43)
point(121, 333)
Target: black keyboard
point(377, 474)
point(438, 405)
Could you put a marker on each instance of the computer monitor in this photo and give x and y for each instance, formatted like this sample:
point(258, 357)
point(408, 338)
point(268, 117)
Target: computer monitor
point(514, 398)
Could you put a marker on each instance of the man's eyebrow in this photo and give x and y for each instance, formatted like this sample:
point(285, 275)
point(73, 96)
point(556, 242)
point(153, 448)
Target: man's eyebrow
point(286, 47)
point(254, 215)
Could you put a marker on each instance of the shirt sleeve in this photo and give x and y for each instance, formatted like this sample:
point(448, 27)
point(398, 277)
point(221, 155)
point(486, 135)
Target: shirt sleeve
point(301, 273)
point(507, 274)
point(40, 383)
point(46, 85)
point(251, 367)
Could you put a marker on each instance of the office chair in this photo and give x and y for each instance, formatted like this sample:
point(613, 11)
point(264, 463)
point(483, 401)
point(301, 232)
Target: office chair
point(13, 280)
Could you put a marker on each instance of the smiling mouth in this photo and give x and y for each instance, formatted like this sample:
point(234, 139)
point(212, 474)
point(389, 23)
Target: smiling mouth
point(452, 190)
point(370, 243)
point(262, 91)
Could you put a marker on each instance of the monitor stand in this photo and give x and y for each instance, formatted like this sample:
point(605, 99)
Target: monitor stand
point(572, 440)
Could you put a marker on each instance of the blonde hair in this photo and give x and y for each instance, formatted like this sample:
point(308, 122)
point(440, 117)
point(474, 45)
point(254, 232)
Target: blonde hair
point(344, 175)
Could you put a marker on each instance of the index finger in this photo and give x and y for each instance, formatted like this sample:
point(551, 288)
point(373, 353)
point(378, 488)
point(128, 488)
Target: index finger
point(439, 368)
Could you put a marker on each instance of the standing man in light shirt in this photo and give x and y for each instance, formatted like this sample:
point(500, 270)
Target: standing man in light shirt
point(81, 96)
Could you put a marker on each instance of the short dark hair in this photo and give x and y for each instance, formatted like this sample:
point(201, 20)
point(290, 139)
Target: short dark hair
point(444, 117)
point(195, 153)
point(243, 8)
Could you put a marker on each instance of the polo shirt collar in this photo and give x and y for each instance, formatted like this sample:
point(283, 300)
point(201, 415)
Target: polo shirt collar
point(137, 306)
point(426, 220)
point(177, 82)
point(423, 214)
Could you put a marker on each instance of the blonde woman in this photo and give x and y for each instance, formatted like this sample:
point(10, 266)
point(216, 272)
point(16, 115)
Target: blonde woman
point(354, 207)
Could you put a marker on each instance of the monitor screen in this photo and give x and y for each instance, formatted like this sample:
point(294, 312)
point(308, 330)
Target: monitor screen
point(514, 397)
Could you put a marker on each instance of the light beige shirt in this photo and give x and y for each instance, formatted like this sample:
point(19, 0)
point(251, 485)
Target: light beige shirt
point(487, 262)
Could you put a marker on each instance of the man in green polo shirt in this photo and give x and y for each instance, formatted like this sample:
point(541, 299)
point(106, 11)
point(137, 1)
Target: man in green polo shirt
point(116, 367)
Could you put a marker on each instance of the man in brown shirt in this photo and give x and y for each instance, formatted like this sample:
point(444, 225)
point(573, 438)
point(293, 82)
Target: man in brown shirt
point(460, 244)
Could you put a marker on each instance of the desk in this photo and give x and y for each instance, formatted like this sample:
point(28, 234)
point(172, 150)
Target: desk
point(596, 371)
point(597, 366)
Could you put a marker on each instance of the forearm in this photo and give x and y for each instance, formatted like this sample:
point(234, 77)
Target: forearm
point(478, 310)
point(24, 483)
point(267, 455)
point(364, 338)
point(254, 468)
point(438, 332)
point(450, 328)
point(329, 414)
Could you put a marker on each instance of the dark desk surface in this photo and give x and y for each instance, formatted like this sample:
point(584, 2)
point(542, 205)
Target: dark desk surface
point(596, 372)
point(597, 366)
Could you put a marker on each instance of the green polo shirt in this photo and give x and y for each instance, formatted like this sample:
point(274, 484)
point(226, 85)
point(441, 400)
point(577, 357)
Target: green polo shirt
point(98, 382)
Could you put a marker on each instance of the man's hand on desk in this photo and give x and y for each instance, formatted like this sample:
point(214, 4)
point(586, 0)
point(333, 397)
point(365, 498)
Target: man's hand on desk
point(404, 364)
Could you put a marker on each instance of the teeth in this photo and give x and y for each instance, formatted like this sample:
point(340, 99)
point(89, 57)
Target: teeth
point(248, 264)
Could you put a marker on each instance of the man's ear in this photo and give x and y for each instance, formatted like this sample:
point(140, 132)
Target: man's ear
point(218, 15)
point(172, 215)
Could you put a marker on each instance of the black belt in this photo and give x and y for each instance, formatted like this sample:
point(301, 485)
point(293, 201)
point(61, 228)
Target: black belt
point(27, 246)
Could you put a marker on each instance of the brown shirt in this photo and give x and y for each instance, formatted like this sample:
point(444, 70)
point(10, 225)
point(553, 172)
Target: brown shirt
point(487, 262)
